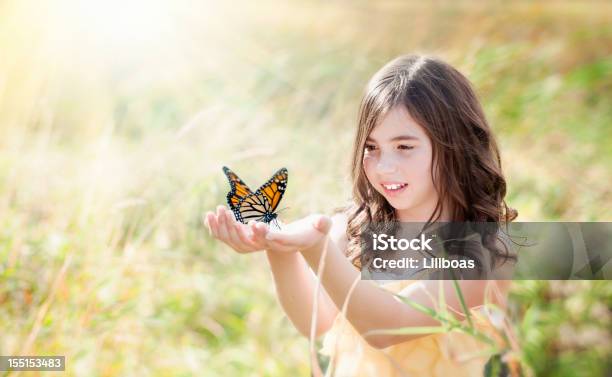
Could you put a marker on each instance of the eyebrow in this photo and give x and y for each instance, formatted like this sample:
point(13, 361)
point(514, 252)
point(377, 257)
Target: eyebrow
point(398, 138)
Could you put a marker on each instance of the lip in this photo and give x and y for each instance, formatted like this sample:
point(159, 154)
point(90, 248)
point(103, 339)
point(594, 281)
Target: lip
point(393, 192)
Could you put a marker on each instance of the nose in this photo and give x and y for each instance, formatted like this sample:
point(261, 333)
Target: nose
point(386, 165)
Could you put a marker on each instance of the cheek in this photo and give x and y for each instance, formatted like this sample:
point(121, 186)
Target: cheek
point(426, 184)
point(369, 168)
point(418, 171)
point(369, 165)
point(424, 174)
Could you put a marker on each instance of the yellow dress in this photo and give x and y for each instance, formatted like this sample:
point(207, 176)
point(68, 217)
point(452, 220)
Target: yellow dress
point(441, 355)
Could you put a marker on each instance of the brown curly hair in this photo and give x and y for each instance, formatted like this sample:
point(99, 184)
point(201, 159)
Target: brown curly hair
point(443, 102)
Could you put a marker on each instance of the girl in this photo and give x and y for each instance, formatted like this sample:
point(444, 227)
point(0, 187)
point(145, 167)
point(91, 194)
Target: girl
point(423, 152)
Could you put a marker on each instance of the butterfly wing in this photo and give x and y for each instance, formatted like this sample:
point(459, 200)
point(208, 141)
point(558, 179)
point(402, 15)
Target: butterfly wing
point(274, 189)
point(239, 190)
point(253, 207)
point(259, 205)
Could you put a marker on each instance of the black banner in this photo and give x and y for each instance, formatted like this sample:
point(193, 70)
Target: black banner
point(487, 251)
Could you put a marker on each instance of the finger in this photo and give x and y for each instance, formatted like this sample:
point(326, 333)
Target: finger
point(213, 223)
point(206, 221)
point(279, 237)
point(230, 226)
point(228, 216)
point(247, 231)
point(244, 234)
point(219, 226)
point(257, 234)
point(222, 230)
point(275, 237)
point(322, 224)
point(252, 226)
point(263, 230)
point(279, 247)
point(276, 241)
point(259, 230)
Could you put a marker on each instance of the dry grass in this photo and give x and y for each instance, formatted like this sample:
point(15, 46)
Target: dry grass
point(111, 148)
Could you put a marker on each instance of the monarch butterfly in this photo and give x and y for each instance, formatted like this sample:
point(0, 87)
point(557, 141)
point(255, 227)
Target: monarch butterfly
point(259, 205)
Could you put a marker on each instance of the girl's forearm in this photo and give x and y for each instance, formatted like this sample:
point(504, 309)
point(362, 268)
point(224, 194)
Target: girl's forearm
point(370, 307)
point(295, 285)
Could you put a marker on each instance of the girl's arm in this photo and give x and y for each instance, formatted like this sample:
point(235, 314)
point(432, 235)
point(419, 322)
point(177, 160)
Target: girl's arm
point(293, 279)
point(370, 307)
point(295, 286)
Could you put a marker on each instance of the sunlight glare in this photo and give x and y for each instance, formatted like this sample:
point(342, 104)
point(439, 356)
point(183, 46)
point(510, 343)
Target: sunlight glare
point(126, 24)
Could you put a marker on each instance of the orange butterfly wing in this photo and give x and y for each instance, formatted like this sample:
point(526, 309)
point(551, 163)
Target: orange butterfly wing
point(239, 190)
point(274, 189)
point(259, 205)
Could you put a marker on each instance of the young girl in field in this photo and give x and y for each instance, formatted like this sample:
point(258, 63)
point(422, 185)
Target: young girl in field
point(423, 152)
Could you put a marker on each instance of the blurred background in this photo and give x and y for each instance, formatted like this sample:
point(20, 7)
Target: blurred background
point(116, 117)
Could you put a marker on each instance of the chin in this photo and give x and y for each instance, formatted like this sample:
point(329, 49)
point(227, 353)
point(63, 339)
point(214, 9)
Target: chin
point(399, 205)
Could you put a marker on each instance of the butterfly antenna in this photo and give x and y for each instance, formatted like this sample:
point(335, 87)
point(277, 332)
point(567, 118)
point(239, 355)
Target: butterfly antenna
point(275, 221)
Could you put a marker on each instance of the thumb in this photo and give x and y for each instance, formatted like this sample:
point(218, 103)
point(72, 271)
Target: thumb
point(322, 223)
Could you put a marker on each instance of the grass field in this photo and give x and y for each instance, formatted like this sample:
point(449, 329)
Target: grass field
point(115, 121)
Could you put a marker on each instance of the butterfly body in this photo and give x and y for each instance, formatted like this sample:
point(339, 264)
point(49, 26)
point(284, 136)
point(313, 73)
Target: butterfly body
point(259, 205)
point(269, 217)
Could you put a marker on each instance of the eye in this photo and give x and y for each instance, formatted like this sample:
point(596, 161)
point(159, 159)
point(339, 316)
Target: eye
point(405, 147)
point(370, 147)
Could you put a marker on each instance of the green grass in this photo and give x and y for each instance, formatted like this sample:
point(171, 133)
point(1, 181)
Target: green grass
point(111, 152)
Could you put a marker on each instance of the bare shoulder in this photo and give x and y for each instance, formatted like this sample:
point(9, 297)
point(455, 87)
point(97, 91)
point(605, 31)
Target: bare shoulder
point(337, 232)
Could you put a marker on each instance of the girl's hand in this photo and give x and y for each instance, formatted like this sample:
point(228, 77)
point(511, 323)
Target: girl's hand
point(301, 234)
point(243, 238)
point(256, 236)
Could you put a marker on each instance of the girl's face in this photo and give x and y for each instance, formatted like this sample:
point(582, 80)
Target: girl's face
point(397, 162)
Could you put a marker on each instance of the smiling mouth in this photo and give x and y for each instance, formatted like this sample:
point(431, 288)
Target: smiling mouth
point(394, 187)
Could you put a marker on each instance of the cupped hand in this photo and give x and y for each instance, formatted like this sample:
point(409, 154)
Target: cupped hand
point(256, 236)
point(301, 234)
point(243, 238)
